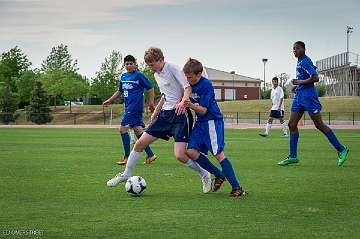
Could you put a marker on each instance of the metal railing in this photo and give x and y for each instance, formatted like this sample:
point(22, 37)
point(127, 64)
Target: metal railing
point(330, 118)
point(108, 118)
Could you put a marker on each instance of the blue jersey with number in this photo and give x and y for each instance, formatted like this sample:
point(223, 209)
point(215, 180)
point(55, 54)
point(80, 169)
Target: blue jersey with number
point(304, 70)
point(132, 86)
point(204, 95)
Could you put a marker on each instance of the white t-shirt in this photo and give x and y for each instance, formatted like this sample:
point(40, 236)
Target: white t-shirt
point(172, 82)
point(276, 95)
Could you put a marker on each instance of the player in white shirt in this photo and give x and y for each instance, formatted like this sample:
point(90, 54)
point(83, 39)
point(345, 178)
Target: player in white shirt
point(170, 118)
point(277, 108)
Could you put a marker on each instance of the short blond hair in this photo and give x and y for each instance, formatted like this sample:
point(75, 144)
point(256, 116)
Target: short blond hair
point(153, 54)
point(193, 66)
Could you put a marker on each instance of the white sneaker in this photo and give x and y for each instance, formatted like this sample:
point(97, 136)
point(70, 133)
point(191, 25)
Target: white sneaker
point(206, 181)
point(120, 177)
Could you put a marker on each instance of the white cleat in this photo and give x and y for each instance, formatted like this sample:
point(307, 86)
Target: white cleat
point(206, 181)
point(120, 177)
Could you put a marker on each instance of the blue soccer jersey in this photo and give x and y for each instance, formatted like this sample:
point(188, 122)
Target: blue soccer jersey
point(203, 94)
point(306, 98)
point(304, 70)
point(132, 86)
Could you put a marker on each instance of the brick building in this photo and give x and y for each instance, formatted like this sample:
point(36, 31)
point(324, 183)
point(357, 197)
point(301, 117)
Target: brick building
point(233, 86)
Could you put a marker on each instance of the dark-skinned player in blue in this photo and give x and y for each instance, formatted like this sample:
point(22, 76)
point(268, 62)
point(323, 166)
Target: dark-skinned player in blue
point(306, 99)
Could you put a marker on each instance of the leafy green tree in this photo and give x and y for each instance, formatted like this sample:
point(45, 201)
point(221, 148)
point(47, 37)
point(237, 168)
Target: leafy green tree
point(13, 64)
point(105, 82)
point(16, 62)
point(52, 83)
point(63, 85)
point(283, 79)
point(267, 94)
point(75, 86)
point(59, 59)
point(60, 78)
point(25, 84)
point(39, 111)
point(8, 103)
point(321, 89)
point(150, 75)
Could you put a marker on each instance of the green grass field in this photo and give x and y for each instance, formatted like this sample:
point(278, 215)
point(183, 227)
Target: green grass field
point(53, 180)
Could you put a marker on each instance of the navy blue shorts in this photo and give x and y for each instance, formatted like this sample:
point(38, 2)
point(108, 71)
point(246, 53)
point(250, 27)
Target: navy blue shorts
point(208, 136)
point(276, 114)
point(132, 119)
point(168, 124)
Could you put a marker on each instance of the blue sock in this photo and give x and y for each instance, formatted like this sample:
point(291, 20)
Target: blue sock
point(334, 141)
point(229, 173)
point(148, 150)
point(126, 143)
point(206, 164)
point(294, 137)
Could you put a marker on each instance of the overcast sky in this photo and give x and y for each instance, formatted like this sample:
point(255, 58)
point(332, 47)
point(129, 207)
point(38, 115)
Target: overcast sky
point(226, 35)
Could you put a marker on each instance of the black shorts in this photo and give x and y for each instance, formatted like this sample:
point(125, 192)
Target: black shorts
point(277, 114)
point(168, 124)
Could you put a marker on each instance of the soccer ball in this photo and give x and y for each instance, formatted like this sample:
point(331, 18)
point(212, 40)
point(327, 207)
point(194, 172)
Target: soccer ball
point(135, 186)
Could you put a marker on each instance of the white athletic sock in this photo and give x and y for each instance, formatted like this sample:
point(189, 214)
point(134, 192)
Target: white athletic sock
point(284, 128)
point(195, 166)
point(268, 128)
point(130, 165)
point(133, 137)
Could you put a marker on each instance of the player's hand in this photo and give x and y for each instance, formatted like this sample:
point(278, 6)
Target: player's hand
point(106, 103)
point(187, 103)
point(293, 89)
point(295, 82)
point(180, 108)
point(151, 107)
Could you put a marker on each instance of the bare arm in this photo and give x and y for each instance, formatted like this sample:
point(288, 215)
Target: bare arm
point(310, 80)
point(157, 109)
point(181, 107)
point(151, 99)
point(281, 101)
point(114, 97)
point(187, 93)
point(196, 107)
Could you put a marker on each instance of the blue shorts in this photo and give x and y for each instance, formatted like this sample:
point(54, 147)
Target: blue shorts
point(208, 136)
point(132, 119)
point(303, 102)
point(168, 124)
point(276, 114)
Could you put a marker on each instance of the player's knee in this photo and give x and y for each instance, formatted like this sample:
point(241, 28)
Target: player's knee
point(138, 131)
point(318, 125)
point(193, 154)
point(292, 125)
point(139, 145)
point(182, 158)
point(123, 129)
point(321, 126)
point(220, 156)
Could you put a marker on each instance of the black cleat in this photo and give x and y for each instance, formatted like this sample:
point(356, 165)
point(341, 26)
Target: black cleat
point(238, 192)
point(218, 182)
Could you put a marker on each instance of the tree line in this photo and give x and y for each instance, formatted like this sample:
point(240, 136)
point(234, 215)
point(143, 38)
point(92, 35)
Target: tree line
point(56, 81)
